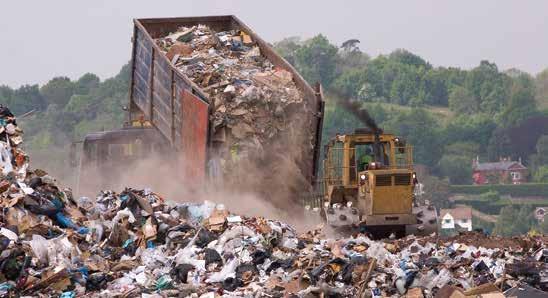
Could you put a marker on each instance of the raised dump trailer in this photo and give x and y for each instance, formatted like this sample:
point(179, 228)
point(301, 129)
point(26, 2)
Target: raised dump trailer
point(163, 97)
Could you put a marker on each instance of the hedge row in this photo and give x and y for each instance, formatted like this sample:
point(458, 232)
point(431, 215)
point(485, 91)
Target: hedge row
point(519, 190)
point(494, 207)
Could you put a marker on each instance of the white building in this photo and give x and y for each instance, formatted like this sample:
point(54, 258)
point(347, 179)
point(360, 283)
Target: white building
point(458, 218)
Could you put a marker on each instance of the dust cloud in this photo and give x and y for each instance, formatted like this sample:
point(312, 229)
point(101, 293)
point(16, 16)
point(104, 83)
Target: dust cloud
point(249, 190)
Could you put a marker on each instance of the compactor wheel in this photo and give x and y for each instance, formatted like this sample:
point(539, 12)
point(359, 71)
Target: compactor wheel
point(427, 221)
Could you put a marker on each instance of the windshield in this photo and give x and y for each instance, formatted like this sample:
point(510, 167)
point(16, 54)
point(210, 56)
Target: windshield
point(365, 154)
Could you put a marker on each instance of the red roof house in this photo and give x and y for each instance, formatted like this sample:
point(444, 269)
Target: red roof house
point(504, 171)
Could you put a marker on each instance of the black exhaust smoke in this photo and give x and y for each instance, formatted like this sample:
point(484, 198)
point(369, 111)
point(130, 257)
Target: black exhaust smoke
point(359, 112)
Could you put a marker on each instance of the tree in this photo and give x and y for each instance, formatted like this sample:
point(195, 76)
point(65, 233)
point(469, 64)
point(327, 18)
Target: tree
point(350, 83)
point(522, 103)
point(476, 129)
point(22, 100)
point(420, 129)
point(434, 88)
point(456, 163)
point(58, 91)
point(351, 45)
point(86, 83)
point(541, 156)
point(288, 47)
point(405, 57)
point(544, 226)
point(499, 145)
point(525, 220)
point(457, 168)
point(541, 174)
point(405, 86)
point(351, 57)
point(436, 191)
point(505, 222)
point(486, 84)
point(462, 102)
point(538, 162)
point(541, 84)
point(79, 104)
point(316, 59)
point(514, 221)
point(6, 95)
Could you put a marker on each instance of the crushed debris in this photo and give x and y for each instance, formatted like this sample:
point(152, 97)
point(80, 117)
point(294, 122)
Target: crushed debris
point(135, 243)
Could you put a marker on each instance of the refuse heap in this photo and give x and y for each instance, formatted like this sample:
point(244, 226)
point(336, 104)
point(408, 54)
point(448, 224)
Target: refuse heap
point(135, 243)
point(256, 105)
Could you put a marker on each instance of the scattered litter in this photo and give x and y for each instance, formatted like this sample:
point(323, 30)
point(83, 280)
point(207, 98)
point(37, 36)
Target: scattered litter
point(135, 243)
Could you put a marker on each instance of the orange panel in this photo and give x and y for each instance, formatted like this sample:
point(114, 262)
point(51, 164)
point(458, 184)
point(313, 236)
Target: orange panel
point(195, 118)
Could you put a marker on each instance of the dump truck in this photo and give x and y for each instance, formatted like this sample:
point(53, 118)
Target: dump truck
point(170, 115)
point(173, 113)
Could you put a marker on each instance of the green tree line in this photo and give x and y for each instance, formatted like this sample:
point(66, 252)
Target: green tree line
point(450, 115)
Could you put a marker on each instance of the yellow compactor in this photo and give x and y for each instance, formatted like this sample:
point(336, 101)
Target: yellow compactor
point(369, 183)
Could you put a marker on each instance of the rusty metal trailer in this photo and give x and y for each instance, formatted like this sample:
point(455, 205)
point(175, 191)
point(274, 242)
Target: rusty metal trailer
point(165, 97)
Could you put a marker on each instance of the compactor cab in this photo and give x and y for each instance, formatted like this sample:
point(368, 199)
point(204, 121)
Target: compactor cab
point(369, 183)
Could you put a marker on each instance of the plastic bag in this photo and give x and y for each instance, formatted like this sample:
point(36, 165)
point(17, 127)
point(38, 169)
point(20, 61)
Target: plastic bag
point(439, 280)
point(9, 234)
point(39, 246)
point(123, 214)
point(229, 270)
point(70, 294)
point(200, 212)
point(5, 159)
point(66, 222)
point(237, 231)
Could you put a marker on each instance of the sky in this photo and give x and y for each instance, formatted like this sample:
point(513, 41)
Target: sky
point(43, 39)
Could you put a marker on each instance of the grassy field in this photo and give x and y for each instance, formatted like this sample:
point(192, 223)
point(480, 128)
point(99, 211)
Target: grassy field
point(442, 114)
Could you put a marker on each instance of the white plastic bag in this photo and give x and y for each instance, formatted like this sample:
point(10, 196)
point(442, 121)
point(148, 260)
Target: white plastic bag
point(229, 270)
point(39, 247)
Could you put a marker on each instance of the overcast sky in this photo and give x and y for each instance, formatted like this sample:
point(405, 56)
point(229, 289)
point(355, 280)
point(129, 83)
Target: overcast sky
point(42, 39)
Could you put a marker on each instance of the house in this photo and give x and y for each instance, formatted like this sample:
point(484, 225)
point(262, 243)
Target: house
point(540, 212)
point(459, 218)
point(504, 171)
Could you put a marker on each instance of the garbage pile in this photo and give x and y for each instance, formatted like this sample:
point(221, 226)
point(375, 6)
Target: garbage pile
point(135, 243)
point(256, 105)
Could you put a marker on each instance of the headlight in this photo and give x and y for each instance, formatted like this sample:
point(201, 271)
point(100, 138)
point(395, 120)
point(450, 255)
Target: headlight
point(348, 204)
point(414, 175)
point(362, 177)
point(326, 204)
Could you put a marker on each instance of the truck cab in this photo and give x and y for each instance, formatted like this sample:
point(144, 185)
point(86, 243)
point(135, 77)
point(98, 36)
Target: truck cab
point(107, 156)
